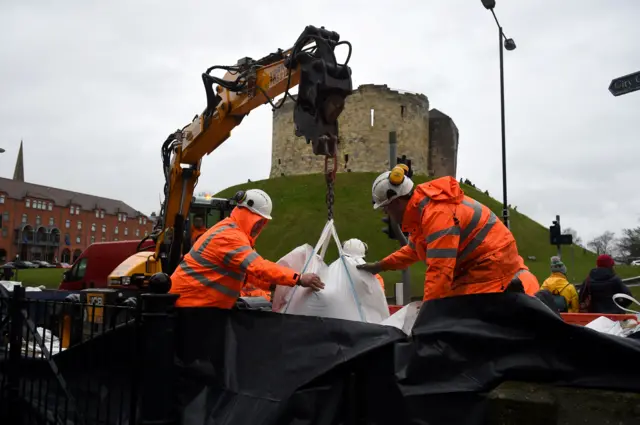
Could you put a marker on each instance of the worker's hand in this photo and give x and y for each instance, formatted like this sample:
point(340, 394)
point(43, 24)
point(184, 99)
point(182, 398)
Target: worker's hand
point(311, 280)
point(373, 268)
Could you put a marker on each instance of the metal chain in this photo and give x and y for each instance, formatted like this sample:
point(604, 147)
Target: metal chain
point(330, 197)
point(330, 177)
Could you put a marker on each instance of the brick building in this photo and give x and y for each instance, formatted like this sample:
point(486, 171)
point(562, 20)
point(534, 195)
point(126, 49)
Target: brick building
point(45, 223)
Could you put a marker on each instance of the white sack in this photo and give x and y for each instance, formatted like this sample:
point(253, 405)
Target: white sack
point(405, 318)
point(349, 293)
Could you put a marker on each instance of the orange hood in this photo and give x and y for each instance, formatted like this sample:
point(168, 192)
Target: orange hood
point(247, 220)
point(443, 189)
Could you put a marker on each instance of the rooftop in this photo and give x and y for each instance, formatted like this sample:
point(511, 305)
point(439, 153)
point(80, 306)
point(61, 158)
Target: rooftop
point(61, 197)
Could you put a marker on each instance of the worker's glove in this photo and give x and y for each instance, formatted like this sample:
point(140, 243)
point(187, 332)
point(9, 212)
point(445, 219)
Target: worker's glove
point(373, 268)
point(311, 280)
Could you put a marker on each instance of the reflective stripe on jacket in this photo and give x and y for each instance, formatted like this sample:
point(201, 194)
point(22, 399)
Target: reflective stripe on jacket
point(213, 272)
point(466, 247)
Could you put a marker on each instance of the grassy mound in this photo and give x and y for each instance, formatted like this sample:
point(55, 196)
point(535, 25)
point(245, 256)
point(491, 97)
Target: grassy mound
point(300, 213)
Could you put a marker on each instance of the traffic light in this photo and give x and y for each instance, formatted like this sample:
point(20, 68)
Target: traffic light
point(556, 237)
point(389, 229)
point(554, 233)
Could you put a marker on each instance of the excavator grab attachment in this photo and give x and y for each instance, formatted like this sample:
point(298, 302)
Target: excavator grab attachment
point(323, 87)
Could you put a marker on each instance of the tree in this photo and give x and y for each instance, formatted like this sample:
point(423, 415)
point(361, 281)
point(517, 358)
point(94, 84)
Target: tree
point(629, 243)
point(570, 231)
point(603, 244)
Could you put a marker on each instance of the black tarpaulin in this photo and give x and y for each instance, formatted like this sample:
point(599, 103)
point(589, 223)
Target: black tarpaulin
point(266, 368)
point(260, 368)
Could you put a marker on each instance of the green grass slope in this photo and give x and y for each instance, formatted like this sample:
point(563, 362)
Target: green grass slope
point(300, 213)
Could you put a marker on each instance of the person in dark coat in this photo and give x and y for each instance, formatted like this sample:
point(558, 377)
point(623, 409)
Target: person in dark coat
point(602, 283)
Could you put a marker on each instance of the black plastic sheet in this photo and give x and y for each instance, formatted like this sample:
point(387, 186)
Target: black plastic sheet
point(265, 368)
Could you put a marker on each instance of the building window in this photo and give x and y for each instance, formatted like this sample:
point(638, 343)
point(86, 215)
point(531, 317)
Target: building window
point(67, 224)
point(144, 220)
point(5, 219)
point(116, 230)
point(38, 220)
point(39, 205)
point(103, 239)
point(50, 206)
point(24, 218)
point(146, 233)
point(126, 231)
point(137, 232)
point(115, 239)
point(79, 225)
point(93, 227)
point(78, 239)
point(104, 228)
point(124, 218)
point(101, 213)
point(97, 213)
point(93, 239)
point(28, 203)
point(1, 199)
point(72, 210)
point(139, 220)
point(51, 221)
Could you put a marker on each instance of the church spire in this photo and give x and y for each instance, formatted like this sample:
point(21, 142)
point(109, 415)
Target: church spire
point(18, 173)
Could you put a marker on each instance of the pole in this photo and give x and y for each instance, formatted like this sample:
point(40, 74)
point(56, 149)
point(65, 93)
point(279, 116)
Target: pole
point(406, 277)
point(505, 209)
point(560, 230)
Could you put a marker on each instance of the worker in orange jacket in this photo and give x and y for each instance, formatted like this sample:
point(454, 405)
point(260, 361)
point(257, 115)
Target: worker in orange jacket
point(213, 272)
point(466, 248)
point(357, 250)
point(197, 229)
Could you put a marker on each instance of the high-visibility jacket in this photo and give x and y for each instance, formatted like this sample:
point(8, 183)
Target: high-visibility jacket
point(256, 288)
point(467, 249)
point(213, 272)
point(196, 233)
point(558, 284)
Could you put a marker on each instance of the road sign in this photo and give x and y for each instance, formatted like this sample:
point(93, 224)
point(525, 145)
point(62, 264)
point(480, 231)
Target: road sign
point(626, 84)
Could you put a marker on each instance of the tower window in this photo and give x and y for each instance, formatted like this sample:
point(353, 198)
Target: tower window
point(373, 113)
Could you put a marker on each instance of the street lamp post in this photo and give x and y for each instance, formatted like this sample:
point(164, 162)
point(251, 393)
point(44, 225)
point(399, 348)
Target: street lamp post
point(508, 44)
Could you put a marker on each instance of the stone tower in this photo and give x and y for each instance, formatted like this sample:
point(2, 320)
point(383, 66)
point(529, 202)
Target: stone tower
point(370, 113)
point(18, 172)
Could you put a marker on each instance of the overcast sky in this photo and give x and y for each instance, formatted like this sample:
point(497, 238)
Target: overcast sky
point(94, 88)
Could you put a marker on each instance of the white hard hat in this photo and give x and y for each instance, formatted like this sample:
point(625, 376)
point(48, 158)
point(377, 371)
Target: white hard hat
point(355, 248)
point(390, 185)
point(255, 200)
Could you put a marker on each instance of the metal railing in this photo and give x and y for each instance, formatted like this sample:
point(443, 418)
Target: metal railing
point(72, 361)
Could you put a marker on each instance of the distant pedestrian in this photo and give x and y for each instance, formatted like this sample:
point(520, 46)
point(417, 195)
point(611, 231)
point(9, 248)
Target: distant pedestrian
point(564, 293)
point(596, 293)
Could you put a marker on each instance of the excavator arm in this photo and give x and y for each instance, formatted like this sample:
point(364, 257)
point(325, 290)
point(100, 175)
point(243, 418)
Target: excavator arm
point(323, 87)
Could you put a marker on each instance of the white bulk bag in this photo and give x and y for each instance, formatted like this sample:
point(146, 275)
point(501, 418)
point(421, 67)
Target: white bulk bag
point(405, 318)
point(349, 293)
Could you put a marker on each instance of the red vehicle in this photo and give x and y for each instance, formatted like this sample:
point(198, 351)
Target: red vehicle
point(92, 268)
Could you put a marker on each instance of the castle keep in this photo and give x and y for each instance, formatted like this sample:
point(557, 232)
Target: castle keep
point(428, 138)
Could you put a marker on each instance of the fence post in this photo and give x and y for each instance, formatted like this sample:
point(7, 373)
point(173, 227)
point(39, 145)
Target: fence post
point(15, 362)
point(156, 402)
